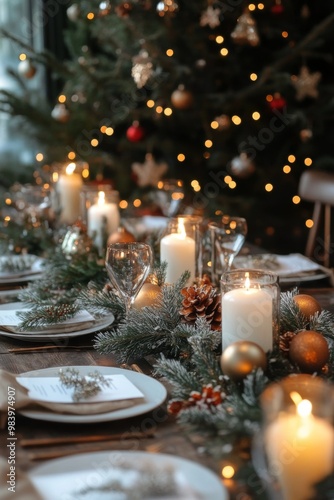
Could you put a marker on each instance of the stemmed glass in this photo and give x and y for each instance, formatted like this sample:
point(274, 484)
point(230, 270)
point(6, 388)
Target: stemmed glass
point(170, 194)
point(227, 238)
point(128, 265)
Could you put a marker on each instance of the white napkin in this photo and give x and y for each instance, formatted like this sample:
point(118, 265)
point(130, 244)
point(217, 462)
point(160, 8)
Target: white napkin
point(283, 265)
point(22, 400)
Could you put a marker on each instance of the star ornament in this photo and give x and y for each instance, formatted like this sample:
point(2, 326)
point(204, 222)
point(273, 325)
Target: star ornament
point(306, 84)
point(210, 17)
point(149, 173)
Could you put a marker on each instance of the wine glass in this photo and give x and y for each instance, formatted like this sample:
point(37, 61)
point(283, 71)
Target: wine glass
point(170, 194)
point(227, 237)
point(128, 265)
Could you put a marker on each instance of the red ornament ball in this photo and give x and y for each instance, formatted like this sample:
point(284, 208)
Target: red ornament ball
point(277, 102)
point(277, 8)
point(309, 351)
point(135, 133)
point(182, 98)
point(307, 305)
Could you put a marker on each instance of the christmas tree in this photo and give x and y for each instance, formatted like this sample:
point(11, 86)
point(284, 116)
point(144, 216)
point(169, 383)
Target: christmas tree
point(234, 98)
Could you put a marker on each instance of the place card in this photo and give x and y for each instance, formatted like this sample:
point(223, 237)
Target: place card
point(9, 317)
point(50, 389)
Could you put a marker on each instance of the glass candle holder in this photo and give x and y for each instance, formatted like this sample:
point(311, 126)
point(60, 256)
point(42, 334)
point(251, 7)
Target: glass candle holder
point(101, 214)
point(295, 448)
point(181, 248)
point(250, 307)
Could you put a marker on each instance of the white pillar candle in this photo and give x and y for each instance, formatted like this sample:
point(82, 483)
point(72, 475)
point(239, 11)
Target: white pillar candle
point(247, 314)
point(68, 188)
point(179, 251)
point(300, 449)
point(102, 220)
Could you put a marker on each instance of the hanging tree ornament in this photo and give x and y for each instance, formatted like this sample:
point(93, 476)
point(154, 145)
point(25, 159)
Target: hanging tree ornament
point(242, 167)
point(104, 8)
point(277, 101)
point(135, 132)
point(277, 8)
point(306, 83)
point(142, 68)
point(26, 68)
point(149, 173)
point(224, 122)
point(210, 17)
point(124, 9)
point(168, 7)
point(182, 98)
point(60, 113)
point(245, 31)
point(73, 12)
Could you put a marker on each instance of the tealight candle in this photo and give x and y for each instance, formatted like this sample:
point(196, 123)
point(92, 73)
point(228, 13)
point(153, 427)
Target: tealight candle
point(248, 310)
point(102, 220)
point(179, 251)
point(68, 187)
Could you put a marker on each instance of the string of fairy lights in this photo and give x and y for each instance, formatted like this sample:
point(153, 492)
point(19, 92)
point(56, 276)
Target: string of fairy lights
point(218, 123)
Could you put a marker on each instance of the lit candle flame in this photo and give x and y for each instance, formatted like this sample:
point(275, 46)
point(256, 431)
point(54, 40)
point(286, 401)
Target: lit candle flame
point(101, 198)
point(304, 408)
point(181, 229)
point(247, 281)
point(70, 168)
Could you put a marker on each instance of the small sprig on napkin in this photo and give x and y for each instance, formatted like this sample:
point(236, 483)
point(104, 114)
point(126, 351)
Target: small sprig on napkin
point(84, 386)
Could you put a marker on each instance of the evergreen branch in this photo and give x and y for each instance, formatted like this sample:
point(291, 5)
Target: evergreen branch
point(47, 315)
point(291, 318)
point(183, 380)
point(323, 323)
point(99, 301)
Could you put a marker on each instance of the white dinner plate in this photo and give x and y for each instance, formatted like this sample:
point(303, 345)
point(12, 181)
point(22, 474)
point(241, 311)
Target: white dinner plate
point(65, 478)
point(99, 324)
point(154, 395)
point(34, 273)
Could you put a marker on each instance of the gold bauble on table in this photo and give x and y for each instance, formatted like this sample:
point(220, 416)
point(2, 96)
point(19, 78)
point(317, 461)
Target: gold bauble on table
point(309, 351)
point(121, 235)
point(147, 296)
point(307, 305)
point(241, 358)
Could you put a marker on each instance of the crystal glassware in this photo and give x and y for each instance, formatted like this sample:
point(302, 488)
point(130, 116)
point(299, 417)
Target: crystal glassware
point(128, 265)
point(170, 194)
point(227, 238)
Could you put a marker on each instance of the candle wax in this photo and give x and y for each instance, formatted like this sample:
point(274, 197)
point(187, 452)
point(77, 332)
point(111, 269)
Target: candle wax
point(178, 250)
point(68, 188)
point(247, 315)
point(102, 220)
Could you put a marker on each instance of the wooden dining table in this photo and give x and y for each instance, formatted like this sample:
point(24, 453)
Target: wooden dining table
point(154, 432)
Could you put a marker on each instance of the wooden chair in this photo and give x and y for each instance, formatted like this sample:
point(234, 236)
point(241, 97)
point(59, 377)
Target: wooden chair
point(318, 187)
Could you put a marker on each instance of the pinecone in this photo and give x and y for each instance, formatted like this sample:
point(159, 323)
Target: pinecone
point(201, 301)
point(284, 341)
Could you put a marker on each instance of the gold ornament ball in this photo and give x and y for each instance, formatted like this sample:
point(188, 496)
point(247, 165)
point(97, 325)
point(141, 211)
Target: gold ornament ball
point(308, 305)
point(121, 235)
point(240, 358)
point(147, 296)
point(309, 351)
point(182, 98)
